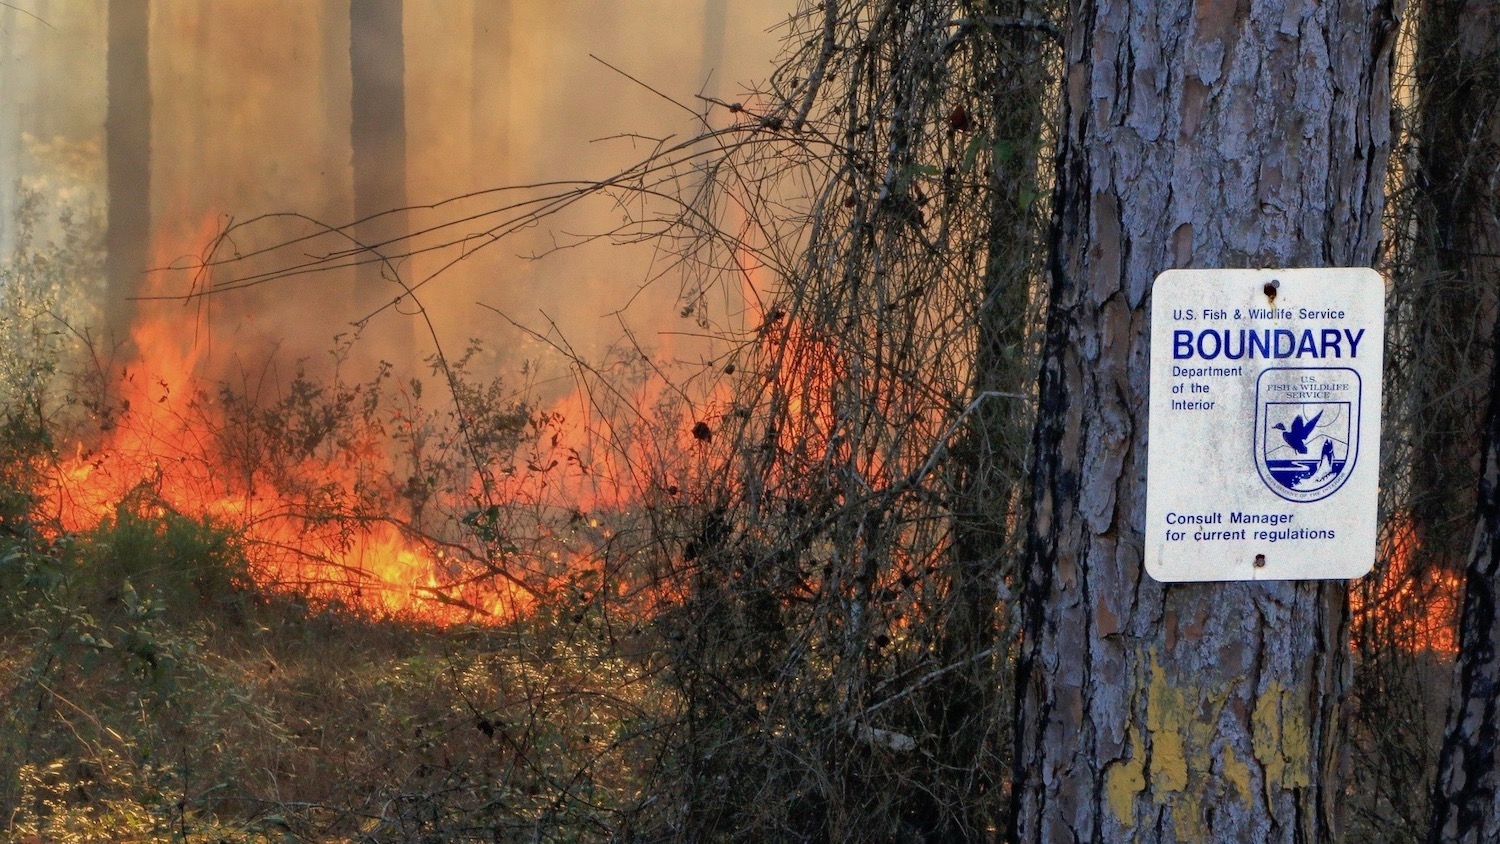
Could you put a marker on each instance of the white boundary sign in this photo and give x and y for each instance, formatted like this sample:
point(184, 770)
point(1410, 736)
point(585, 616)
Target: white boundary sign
point(1263, 443)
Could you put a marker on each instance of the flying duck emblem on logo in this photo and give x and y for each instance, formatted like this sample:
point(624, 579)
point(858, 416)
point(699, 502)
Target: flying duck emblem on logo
point(1306, 430)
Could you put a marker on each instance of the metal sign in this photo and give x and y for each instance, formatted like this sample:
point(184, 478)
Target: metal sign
point(1264, 437)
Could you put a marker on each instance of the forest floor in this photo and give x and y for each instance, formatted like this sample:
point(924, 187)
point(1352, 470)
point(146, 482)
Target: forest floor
point(153, 692)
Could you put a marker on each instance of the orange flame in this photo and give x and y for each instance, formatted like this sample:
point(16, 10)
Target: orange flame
point(1416, 610)
point(323, 515)
point(306, 517)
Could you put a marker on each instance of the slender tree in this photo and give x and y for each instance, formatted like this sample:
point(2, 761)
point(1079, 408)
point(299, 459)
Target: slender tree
point(1440, 317)
point(489, 99)
point(1466, 795)
point(966, 706)
point(1193, 135)
point(1461, 49)
point(711, 54)
point(1453, 187)
point(378, 138)
point(127, 137)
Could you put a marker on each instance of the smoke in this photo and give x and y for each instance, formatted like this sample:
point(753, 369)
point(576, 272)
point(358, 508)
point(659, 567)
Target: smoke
point(51, 100)
point(250, 114)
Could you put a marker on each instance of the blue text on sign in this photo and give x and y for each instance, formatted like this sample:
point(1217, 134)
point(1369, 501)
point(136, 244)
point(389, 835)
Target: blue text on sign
point(1268, 343)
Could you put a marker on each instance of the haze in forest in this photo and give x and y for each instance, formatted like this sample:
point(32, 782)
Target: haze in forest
point(252, 110)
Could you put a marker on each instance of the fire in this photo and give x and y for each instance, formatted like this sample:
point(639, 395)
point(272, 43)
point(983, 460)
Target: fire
point(1416, 610)
point(310, 475)
point(306, 500)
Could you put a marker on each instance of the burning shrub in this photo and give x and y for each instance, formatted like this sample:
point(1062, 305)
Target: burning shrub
point(191, 565)
point(347, 491)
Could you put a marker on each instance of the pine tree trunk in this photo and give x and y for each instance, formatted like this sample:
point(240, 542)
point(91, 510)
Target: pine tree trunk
point(378, 137)
point(127, 138)
point(1208, 135)
point(1458, 59)
point(490, 97)
point(1466, 796)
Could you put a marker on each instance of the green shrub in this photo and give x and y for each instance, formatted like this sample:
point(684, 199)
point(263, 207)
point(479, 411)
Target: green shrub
point(193, 566)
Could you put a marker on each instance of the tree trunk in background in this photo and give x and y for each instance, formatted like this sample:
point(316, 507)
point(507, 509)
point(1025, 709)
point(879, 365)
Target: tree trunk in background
point(1462, 43)
point(334, 98)
point(127, 140)
point(377, 69)
point(967, 707)
point(1440, 318)
point(1466, 795)
point(489, 123)
point(711, 56)
point(1455, 71)
point(1194, 135)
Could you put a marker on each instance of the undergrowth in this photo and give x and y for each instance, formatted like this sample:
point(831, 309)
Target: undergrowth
point(155, 694)
point(161, 683)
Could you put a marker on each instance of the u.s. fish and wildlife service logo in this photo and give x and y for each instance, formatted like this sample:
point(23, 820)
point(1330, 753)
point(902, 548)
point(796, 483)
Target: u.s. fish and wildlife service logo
point(1306, 430)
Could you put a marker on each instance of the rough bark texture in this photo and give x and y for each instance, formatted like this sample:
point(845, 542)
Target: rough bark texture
point(378, 137)
point(1208, 135)
point(1466, 797)
point(127, 138)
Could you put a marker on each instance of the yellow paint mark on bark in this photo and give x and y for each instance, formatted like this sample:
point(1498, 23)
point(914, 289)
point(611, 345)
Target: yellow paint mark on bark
point(1181, 726)
point(1169, 722)
point(1237, 773)
point(1282, 741)
point(1124, 780)
point(1187, 819)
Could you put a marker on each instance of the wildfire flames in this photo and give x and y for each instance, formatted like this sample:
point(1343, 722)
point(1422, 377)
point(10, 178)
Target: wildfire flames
point(1415, 610)
point(322, 512)
point(167, 435)
point(314, 522)
point(312, 519)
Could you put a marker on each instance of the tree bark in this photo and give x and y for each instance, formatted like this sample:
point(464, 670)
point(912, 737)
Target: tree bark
point(127, 140)
point(1205, 135)
point(377, 68)
point(1466, 795)
point(1466, 126)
